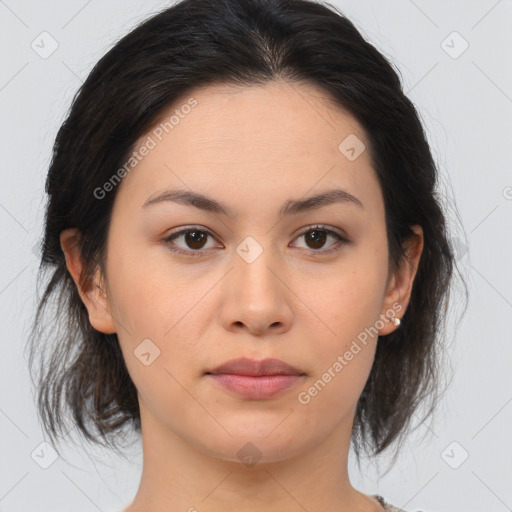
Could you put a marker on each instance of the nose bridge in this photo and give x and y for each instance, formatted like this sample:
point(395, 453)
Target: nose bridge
point(255, 265)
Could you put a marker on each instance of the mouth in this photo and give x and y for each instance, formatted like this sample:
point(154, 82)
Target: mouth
point(254, 368)
point(256, 380)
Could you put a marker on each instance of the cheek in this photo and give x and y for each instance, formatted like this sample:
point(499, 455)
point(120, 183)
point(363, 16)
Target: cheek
point(153, 307)
point(144, 290)
point(158, 354)
point(344, 353)
point(349, 305)
point(350, 298)
point(331, 396)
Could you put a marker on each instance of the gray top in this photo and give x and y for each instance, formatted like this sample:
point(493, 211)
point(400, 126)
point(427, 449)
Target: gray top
point(387, 506)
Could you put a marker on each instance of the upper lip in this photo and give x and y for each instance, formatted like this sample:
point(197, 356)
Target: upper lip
point(252, 367)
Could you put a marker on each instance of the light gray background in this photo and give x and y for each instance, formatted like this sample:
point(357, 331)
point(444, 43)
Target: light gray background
point(466, 105)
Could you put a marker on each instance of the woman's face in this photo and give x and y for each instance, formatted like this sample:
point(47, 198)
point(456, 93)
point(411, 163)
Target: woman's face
point(258, 282)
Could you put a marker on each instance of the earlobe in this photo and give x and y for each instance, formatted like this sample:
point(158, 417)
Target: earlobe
point(92, 293)
point(401, 282)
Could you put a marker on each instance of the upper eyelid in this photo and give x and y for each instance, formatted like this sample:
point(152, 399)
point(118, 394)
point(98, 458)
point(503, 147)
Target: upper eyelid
point(324, 227)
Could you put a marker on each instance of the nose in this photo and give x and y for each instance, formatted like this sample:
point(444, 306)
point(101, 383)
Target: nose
point(257, 295)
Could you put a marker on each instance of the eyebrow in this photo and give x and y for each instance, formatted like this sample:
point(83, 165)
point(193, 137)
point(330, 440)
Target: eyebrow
point(290, 207)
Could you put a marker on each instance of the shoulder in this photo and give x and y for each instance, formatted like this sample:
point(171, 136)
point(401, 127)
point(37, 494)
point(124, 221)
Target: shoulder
point(387, 506)
point(391, 508)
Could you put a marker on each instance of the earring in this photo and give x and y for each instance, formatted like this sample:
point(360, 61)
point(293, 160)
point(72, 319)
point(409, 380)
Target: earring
point(396, 321)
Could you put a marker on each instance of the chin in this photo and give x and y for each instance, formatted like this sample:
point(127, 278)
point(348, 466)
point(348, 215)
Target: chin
point(258, 444)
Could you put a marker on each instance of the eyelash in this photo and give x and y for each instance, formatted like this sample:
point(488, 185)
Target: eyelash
point(341, 241)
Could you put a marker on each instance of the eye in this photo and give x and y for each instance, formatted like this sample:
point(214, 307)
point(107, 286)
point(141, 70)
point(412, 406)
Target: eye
point(195, 239)
point(317, 236)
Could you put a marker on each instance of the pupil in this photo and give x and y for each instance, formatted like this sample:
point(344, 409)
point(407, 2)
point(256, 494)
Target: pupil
point(320, 236)
point(192, 237)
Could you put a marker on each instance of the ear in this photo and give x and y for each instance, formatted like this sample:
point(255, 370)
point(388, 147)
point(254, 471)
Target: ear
point(400, 283)
point(92, 293)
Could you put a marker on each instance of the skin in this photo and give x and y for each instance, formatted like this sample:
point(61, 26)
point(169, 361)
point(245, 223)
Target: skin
point(251, 148)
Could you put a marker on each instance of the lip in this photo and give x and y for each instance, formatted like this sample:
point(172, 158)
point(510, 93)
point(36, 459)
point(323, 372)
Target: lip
point(254, 368)
point(256, 380)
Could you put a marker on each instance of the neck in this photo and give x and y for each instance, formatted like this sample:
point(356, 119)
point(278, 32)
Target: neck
point(181, 474)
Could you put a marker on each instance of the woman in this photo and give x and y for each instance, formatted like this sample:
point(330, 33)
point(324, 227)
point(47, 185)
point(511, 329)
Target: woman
point(250, 262)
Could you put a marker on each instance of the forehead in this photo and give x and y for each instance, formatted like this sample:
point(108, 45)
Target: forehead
point(256, 140)
point(276, 119)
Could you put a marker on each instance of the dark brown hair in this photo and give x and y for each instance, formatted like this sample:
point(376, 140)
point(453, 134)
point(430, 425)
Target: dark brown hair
point(81, 376)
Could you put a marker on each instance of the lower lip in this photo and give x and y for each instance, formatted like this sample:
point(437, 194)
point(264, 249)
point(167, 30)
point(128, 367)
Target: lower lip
point(256, 388)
